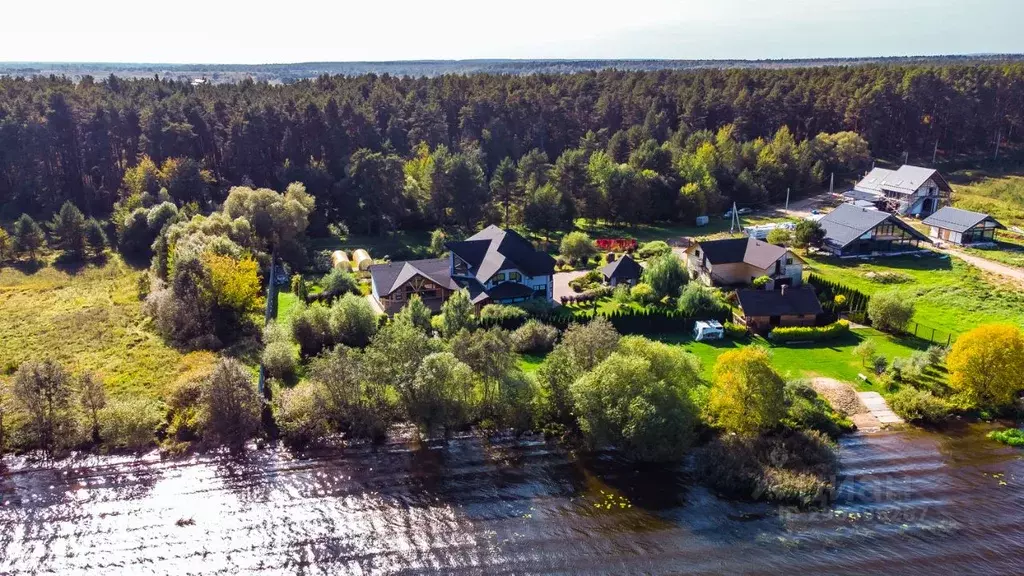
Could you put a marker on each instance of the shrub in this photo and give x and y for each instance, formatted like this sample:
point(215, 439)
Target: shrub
point(457, 314)
point(880, 364)
point(230, 407)
point(866, 351)
point(28, 236)
point(534, 337)
point(337, 282)
point(621, 294)
point(653, 249)
point(937, 354)
point(666, 275)
point(353, 321)
point(642, 293)
point(795, 468)
point(44, 396)
point(416, 312)
point(577, 247)
point(589, 344)
point(760, 282)
point(130, 423)
point(1010, 437)
point(889, 277)
point(987, 364)
point(890, 311)
point(299, 288)
point(93, 398)
point(514, 410)
point(301, 414)
point(748, 395)
point(735, 331)
point(780, 236)
point(68, 228)
point(95, 238)
point(808, 233)
point(592, 279)
point(311, 329)
point(6, 246)
point(628, 402)
point(915, 405)
point(809, 333)
point(501, 312)
point(278, 359)
point(702, 302)
point(440, 393)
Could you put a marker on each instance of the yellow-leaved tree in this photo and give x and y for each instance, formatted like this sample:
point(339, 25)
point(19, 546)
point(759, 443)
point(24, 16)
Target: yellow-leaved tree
point(235, 284)
point(987, 364)
point(747, 396)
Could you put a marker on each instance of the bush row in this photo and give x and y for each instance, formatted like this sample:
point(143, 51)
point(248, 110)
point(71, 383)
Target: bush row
point(809, 333)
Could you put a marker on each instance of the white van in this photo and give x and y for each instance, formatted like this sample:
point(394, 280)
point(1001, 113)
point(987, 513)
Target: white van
point(708, 330)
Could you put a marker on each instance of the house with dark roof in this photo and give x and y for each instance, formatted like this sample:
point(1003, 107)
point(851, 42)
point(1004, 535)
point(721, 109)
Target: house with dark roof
point(962, 226)
point(762, 310)
point(738, 261)
point(624, 271)
point(907, 191)
point(494, 266)
point(855, 231)
point(394, 283)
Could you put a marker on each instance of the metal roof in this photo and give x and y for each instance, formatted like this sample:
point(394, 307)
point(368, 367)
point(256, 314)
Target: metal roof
point(904, 180)
point(848, 222)
point(958, 220)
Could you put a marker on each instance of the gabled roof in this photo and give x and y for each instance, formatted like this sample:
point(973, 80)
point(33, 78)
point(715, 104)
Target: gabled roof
point(735, 250)
point(624, 268)
point(494, 249)
point(958, 220)
point(785, 302)
point(393, 275)
point(905, 180)
point(848, 222)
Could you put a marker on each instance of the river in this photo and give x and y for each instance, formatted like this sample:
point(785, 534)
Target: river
point(910, 502)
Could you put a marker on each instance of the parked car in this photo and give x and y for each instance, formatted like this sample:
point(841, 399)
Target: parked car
point(741, 212)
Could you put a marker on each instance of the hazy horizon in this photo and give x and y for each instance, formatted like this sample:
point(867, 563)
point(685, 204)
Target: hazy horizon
point(261, 32)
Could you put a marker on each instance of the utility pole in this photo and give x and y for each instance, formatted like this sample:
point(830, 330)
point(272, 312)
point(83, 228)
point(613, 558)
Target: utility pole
point(999, 139)
point(832, 183)
point(735, 222)
point(787, 198)
point(906, 156)
point(935, 151)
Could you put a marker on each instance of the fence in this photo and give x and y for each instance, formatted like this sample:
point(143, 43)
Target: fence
point(931, 334)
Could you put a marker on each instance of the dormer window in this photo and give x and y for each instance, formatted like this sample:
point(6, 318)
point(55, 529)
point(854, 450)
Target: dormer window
point(515, 277)
point(499, 277)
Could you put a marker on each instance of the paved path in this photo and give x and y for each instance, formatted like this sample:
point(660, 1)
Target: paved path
point(560, 284)
point(878, 408)
point(998, 268)
point(867, 410)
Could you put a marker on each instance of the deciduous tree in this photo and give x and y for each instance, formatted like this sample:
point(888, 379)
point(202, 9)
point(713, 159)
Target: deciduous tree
point(748, 396)
point(987, 364)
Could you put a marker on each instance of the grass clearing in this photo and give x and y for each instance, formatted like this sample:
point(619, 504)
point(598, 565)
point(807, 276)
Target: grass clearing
point(1008, 249)
point(950, 294)
point(90, 320)
point(1002, 196)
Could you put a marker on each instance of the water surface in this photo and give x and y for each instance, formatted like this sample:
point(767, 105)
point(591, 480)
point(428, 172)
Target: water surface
point(910, 503)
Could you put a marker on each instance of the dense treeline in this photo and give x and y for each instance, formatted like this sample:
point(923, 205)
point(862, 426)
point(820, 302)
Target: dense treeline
point(445, 150)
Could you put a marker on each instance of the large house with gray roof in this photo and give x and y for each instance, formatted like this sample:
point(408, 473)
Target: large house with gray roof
point(907, 191)
point(494, 266)
point(962, 226)
point(854, 231)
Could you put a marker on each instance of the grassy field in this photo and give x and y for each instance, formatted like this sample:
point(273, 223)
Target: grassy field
point(1002, 196)
point(833, 359)
point(89, 320)
point(1008, 249)
point(950, 295)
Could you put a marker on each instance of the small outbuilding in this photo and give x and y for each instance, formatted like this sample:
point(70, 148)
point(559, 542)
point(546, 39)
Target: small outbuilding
point(763, 310)
point(962, 226)
point(624, 271)
point(361, 260)
point(340, 260)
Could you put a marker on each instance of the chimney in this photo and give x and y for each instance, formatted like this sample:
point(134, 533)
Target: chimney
point(783, 289)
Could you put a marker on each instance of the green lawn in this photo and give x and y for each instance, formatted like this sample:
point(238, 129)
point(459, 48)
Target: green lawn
point(89, 319)
point(949, 294)
point(287, 303)
point(832, 359)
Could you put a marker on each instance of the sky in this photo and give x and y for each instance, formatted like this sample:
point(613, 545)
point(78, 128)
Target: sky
point(260, 31)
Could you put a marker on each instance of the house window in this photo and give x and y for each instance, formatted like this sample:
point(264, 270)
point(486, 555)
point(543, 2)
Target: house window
point(789, 260)
point(515, 277)
point(499, 277)
point(399, 297)
point(697, 252)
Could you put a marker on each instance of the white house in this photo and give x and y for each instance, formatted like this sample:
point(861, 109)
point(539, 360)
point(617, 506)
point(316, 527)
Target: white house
point(908, 191)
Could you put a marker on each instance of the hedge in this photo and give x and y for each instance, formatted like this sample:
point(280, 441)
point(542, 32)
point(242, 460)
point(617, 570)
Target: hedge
point(809, 333)
point(827, 290)
point(651, 321)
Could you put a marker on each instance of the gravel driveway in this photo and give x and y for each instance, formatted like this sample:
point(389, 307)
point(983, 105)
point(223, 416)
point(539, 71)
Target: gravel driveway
point(561, 284)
